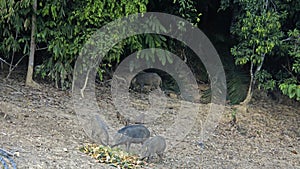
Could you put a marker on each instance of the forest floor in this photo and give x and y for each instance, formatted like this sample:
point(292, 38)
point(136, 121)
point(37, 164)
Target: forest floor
point(42, 127)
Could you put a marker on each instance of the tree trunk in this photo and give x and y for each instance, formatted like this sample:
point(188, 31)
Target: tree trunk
point(252, 82)
point(249, 93)
point(29, 80)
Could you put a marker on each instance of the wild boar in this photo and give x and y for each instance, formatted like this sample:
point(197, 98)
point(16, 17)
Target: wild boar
point(152, 146)
point(131, 134)
point(151, 80)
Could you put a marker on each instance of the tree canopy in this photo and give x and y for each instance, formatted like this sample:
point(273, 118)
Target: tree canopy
point(257, 40)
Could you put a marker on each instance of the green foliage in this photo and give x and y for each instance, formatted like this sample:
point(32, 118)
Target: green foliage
point(237, 85)
point(183, 8)
point(237, 82)
point(291, 89)
point(187, 10)
point(73, 26)
point(291, 85)
point(265, 80)
point(294, 51)
point(268, 29)
point(64, 26)
point(14, 27)
point(258, 34)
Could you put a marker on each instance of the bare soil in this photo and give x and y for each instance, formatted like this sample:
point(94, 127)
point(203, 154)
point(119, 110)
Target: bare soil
point(42, 127)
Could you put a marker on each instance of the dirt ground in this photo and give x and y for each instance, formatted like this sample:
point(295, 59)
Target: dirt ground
point(42, 127)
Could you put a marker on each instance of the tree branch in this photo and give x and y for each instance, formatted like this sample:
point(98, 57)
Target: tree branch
point(4, 61)
point(42, 48)
point(289, 38)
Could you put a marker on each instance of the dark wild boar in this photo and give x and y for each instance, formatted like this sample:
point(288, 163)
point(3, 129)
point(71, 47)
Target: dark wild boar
point(151, 80)
point(131, 134)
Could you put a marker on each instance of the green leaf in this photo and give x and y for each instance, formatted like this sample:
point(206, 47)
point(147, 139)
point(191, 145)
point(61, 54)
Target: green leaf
point(169, 58)
point(163, 60)
point(292, 91)
point(298, 92)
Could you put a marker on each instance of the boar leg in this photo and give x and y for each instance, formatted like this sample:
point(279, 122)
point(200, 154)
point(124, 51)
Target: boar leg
point(149, 158)
point(127, 146)
point(160, 155)
point(116, 145)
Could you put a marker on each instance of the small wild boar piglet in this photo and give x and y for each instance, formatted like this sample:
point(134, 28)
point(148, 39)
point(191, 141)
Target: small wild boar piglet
point(152, 146)
point(131, 134)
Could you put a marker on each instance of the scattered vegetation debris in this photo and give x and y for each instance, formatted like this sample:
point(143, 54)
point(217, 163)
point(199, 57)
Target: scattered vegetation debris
point(113, 156)
point(233, 117)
